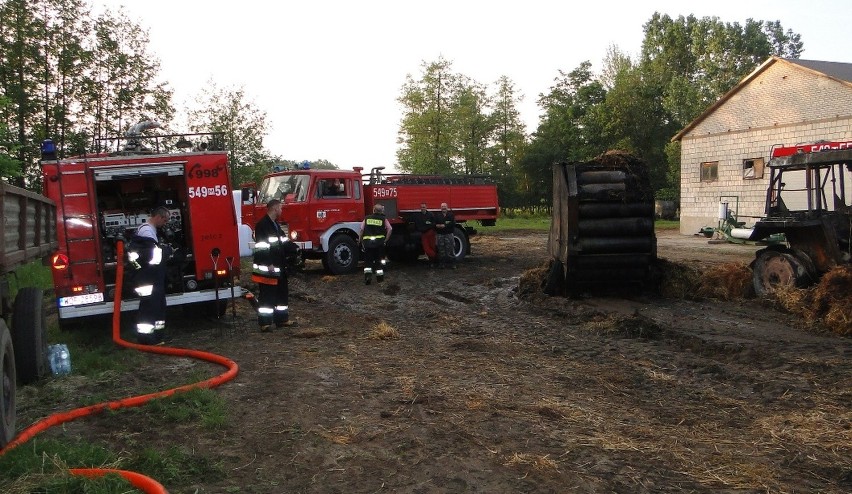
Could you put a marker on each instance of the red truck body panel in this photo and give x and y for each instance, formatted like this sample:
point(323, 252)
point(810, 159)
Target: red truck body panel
point(403, 194)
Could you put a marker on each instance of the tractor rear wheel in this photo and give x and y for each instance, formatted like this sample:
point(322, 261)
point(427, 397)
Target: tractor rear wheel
point(773, 269)
point(7, 385)
point(29, 334)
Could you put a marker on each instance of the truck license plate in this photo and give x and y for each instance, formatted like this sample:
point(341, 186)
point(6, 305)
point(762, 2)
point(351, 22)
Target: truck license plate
point(89, 298)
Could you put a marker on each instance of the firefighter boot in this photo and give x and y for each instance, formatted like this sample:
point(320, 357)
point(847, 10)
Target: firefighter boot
point(368, 276)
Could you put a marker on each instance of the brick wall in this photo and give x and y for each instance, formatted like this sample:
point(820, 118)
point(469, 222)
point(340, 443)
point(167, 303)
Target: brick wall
point(785, 104)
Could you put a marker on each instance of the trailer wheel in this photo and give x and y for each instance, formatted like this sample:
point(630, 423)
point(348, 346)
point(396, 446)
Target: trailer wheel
point(29, 334)
point(342, 255)
point(773, 269)
point(461, 244)
point(7, 393)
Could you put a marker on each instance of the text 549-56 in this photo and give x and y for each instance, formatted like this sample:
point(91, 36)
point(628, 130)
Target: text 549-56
point(214, 191)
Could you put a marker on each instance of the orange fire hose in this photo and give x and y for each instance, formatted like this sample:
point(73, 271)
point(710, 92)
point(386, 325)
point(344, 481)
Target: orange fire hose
point(146, 484)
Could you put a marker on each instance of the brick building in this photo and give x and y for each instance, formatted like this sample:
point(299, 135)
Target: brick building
point(724, 150)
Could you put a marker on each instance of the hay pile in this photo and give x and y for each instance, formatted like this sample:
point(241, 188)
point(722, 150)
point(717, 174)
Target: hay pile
point(828, 303)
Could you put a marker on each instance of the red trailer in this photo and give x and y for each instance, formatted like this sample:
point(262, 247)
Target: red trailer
point(323, 209)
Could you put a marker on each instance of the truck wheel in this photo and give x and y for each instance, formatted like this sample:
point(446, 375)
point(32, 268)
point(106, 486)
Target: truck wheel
point(7, 394)
point(342, 255)
point(29, 335)
point(773, 269)
point(461, 244)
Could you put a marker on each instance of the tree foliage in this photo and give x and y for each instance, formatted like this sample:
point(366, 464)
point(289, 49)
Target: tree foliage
point(228, 110)
point(72, 77)
point(686, 64)
point(453, 124)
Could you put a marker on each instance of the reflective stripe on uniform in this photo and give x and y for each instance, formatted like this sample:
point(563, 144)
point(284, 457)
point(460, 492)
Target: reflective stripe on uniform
point(144, 290)
point(380, 272)
point(144, 328)
point(281, 307)
point(265, 310)
point(373, 237)
point(157, 256)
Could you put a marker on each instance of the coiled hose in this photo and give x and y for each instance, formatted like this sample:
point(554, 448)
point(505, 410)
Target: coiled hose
point(146, 484)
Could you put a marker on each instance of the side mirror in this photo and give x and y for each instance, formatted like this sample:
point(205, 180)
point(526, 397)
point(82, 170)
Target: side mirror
point(248, 195)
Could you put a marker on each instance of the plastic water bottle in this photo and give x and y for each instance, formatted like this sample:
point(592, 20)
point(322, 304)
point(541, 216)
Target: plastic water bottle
point(60, 359)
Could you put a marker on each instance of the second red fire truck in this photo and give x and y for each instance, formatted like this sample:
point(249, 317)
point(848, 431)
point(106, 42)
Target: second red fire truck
point(323, 209)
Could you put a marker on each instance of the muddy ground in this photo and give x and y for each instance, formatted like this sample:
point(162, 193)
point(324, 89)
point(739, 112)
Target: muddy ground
point(483, 391)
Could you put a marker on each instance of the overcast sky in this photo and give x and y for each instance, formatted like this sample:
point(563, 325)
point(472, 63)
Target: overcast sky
point(328, 72)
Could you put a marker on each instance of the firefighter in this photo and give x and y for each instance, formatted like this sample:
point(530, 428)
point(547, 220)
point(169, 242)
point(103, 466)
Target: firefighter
point(445, 223)
point(424, 222)
point(149, 256)
point(272, 251)
point(375, 233)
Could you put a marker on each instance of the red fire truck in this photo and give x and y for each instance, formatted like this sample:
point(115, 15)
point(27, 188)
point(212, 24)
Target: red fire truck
point(323, 209)
point(107, 195)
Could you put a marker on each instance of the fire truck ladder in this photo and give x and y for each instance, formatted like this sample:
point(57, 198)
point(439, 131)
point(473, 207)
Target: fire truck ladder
point(79, 228)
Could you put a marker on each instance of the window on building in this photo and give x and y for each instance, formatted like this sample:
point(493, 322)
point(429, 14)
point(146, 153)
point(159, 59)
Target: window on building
point(753, 168)
point(709, 171)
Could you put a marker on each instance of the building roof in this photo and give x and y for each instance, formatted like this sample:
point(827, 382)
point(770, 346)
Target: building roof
point(838, 71)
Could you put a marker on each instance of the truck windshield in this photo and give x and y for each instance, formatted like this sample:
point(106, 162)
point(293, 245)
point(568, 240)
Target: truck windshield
point(286, 188)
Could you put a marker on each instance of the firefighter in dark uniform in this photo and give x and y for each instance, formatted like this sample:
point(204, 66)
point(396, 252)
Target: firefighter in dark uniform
point(374, 234)
point(272, 251)
point(424, 222)
point(149, 256)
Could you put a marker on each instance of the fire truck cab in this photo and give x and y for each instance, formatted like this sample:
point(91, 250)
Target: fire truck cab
point(105, 196)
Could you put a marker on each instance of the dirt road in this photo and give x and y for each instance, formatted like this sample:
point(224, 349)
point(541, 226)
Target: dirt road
point(482, 391)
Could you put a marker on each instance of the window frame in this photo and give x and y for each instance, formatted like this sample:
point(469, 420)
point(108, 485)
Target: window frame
point(708, 165)
point(751, 165)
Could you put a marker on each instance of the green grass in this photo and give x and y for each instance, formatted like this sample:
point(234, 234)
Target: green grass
point(205, 406)
point(32, 274)
point(42, 466)
point(542, 223)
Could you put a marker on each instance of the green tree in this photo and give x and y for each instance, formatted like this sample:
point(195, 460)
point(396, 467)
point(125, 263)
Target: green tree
point(426, 132)
point(570, 129)
point(20, 32)
point(231, 112)
point(10, 166)
point(686, 64)
point(121, 88)
point(509, 143)
point(473, 127)
point(72, 78)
